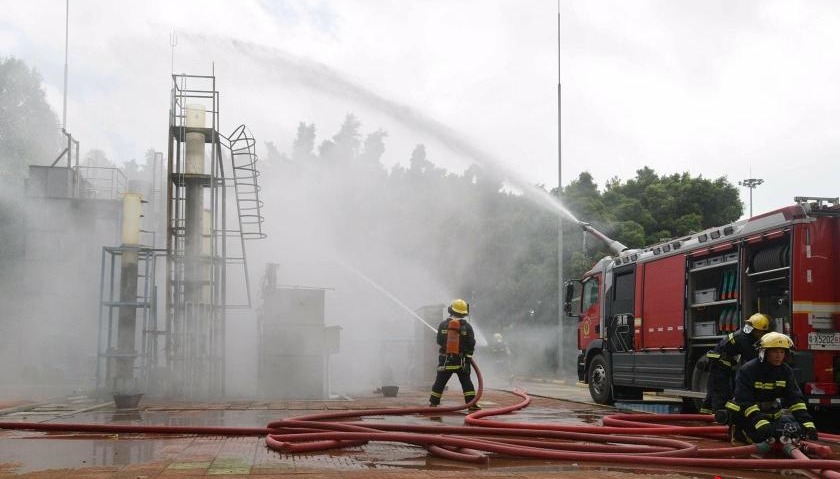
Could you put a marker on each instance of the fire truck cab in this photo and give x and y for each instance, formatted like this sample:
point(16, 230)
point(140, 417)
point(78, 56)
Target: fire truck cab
point(646, 318)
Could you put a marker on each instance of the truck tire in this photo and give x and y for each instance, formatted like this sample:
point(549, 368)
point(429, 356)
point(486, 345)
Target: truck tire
point(600, 382)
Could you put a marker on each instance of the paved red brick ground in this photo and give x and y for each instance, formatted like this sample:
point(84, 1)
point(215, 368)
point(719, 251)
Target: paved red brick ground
point(28, 454)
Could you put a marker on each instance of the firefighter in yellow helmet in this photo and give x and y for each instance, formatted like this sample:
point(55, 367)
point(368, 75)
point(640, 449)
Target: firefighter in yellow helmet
point(735, 348)
point(764, 387)
point(456, 339)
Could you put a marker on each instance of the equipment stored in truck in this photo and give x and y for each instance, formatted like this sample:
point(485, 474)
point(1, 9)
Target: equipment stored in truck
point(647, 317)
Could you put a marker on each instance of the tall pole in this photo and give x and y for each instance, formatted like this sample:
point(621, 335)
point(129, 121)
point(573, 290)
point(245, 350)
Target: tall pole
point(173, 42)
point(559, 118)
point(751, 190)
point(751, 183)
point(561, 333)
point(66, 51)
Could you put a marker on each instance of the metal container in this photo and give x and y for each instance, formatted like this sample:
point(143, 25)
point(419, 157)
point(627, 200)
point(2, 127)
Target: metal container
point(704, 328)
point(127, 401)
point(705, 295)
point(390, 391)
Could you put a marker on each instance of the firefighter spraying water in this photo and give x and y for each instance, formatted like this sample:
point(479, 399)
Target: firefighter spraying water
point(457, 343)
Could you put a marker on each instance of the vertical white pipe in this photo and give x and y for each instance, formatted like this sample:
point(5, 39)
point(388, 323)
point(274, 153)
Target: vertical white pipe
point(124, 381)
point(131, 218)
point(195, 154)
point(196, 118)
point(194, 202)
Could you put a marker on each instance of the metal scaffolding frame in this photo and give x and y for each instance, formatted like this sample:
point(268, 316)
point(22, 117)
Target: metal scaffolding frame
point(199, 262)
point(110, 303)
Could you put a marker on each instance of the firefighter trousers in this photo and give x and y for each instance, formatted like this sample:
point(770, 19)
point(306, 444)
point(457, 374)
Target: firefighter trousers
point(443, 377)
point(719, 388)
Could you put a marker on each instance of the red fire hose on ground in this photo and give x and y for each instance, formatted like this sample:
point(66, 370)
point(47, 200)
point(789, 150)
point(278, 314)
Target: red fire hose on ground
point(623, 439)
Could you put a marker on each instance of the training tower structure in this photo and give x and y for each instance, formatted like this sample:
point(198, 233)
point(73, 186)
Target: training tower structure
point(213, 206)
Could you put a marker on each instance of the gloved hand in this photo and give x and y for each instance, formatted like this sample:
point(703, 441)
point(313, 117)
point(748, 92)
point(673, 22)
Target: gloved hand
point(763, 432)
point(759, 417)
point(811, 433)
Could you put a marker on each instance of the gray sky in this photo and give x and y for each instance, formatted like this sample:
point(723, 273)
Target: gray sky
point(714, 87)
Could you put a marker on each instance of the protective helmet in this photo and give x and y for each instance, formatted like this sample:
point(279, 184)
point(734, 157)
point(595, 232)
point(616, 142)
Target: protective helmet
point(759, 321)
point(775, 340)
point(459, 306)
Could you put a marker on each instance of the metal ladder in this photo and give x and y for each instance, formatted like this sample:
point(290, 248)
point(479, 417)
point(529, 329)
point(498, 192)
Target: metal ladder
point(247, 193)
point(245, 174)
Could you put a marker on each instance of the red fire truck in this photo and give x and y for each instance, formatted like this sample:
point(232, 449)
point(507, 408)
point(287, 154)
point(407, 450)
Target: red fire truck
point(647, 317)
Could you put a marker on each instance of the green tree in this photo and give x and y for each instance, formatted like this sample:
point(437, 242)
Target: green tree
point(29, 135)
point(98, 159)
point(303, 147)
point(464, 230)
point(644, 210)
point(273, 153)
point(582, 197)
point(374, 147)
point(344, 145)
point(29, 130)
point(418, 163)
point(670, 206)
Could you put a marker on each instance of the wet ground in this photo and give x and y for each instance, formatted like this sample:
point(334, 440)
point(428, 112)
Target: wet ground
point(32, 454)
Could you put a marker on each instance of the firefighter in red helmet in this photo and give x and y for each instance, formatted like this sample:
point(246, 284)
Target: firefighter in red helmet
point(736, 348)
point(456, 339)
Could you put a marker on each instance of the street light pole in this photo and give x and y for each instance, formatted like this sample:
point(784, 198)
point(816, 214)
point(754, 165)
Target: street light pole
point(751, 183)
point(66, 52)
point(561, 330)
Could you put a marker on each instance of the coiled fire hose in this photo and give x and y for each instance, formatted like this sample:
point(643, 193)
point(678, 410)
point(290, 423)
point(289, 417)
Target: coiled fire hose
point(623, 439)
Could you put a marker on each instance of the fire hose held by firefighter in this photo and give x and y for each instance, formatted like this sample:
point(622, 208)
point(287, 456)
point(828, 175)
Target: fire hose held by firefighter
point(764, 388)
point(456, 339)
point(723, 360)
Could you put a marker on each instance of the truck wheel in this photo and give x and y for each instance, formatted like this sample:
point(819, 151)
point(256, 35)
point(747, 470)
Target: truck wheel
point(600, 383)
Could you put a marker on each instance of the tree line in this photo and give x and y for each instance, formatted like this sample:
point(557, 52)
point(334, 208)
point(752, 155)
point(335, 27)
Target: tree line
point(494, 246)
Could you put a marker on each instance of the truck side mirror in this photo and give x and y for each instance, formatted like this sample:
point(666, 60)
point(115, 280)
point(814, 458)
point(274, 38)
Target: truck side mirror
point(571, 299)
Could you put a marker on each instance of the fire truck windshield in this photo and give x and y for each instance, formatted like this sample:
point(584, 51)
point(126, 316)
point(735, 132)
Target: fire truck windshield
point(590, 293)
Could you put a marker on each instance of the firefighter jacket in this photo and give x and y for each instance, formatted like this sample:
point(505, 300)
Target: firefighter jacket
point(466, 344)
point(733, 345)
point(762, 390)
